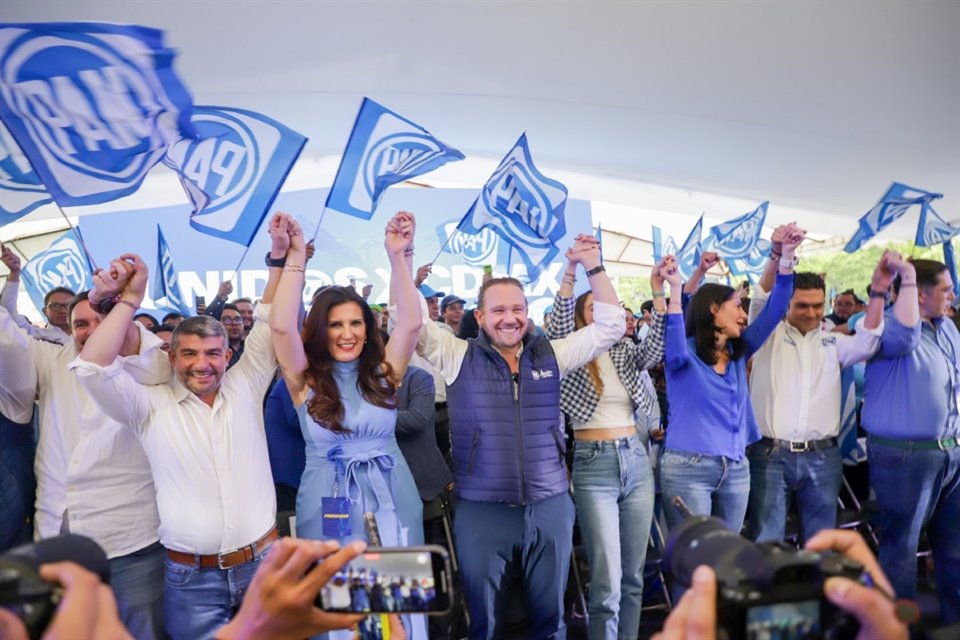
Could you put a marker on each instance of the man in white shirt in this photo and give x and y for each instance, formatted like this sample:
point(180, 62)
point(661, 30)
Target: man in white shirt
point(795, 391)
point(204, 437)
point(515, 512)
point(55, 303)
point(92, 474)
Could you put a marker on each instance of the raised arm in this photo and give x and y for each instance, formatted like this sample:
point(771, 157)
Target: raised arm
point(285, 309)
point(18, 375)
point(675, 336)
point(776, 308)
point(608, 325)
point(901, 332)
point(116, 334)
point(561, 316)
point(649, 353)
point(708, 260)
point(398, 242)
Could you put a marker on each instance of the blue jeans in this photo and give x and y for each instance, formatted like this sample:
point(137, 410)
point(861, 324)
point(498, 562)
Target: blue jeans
point(137, 583)
point(198, 601)
point(917, 488)
point(778, 477)
point(492, 539)
point(710, 485)
point(613, 491)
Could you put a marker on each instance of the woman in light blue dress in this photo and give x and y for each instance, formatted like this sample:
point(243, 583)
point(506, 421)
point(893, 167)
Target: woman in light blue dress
point(343, 382)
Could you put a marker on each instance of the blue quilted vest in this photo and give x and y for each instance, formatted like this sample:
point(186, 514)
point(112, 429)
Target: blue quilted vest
point(508, 441)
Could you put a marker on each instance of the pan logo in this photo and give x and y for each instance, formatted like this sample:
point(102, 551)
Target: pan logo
point(85, 106)
point(526, 212)
point(476, 248)
point(225, 163)
point(62, 267)
point(398, 153)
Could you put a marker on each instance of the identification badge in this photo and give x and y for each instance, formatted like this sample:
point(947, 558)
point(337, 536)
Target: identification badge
point(336, 517)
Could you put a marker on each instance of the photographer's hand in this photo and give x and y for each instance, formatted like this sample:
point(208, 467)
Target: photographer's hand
point(695, 618)
point(876, 612)
point(279, 603)
point(88, 608)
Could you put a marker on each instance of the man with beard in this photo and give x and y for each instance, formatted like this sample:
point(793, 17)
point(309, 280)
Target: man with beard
point(204, 437)
point(92, 475)
point(515, 512)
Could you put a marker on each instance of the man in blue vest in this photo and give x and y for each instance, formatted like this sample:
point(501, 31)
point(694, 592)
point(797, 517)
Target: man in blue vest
point(503, 395)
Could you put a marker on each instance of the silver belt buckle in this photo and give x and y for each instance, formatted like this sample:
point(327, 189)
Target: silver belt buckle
point(799, 446)
point(220, 559)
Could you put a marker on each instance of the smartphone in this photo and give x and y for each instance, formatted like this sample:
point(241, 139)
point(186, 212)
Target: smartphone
point(392, 580)
point(199, 301)
point(488, 269)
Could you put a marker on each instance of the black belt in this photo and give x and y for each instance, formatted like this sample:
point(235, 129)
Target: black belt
point(944, 444)
point(800, 446)
point(440, 405)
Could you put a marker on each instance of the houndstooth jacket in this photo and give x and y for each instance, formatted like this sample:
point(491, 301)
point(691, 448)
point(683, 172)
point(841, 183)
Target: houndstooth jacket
point(578, 396)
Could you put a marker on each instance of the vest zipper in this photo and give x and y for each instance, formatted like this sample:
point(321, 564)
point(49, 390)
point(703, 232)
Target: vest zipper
point(519, 428)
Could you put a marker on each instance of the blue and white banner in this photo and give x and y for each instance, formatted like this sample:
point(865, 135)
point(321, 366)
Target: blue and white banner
point(754, 264)
point(64, 264)
point(234, 170)
point(345, 249)
point(478, 249)
point(735, 239)
point(93, 106)
point(894, 203)
point(851, 450)
point(688, 257)
point(384, 148)
point(20, 188)
point(165, 288)
point(932, 229)
point(523, 206)
point(950, 259)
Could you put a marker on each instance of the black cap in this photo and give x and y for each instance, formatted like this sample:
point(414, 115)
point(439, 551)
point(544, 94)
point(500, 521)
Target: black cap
point(449, 300)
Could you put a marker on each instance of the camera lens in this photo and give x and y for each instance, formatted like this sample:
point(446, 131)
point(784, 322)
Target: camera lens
point(707, 540)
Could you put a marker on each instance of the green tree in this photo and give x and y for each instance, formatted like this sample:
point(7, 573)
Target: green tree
point(854, 270)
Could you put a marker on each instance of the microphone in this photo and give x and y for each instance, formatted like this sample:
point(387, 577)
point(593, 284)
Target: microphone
point(373, 532)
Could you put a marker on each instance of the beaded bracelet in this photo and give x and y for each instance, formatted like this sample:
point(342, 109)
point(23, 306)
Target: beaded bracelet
point(128, 303)
point(293, 267)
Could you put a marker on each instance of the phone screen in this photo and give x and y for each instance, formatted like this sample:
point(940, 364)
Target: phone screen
point(488, 269)
point(199, 301)
point(391, 580)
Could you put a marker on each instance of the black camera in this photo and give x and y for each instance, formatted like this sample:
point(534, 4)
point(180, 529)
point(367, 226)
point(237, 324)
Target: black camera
point(764, 591)
point(30, 597)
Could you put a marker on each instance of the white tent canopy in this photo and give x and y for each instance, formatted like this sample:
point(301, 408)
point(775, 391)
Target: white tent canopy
point(650, 110)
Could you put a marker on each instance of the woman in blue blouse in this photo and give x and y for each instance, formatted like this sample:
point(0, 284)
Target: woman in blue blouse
point(711, 420)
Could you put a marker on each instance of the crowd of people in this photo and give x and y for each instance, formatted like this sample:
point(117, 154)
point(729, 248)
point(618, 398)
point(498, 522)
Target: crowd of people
point(174, 445)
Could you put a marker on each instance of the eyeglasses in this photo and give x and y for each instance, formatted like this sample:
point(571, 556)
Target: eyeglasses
point(231, 320)
point(57, 306)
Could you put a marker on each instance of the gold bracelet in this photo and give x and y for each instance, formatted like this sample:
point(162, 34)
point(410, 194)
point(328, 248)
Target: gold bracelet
point(293, 267)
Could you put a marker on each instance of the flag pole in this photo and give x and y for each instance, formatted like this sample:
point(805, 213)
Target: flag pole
point(443, 246)
point(76, 234)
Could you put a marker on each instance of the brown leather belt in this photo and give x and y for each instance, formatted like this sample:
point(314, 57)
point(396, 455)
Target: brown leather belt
point(227, 559)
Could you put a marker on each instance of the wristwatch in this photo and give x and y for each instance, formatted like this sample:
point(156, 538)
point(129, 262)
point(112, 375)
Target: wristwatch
point(274, 262)
point(789, 263)
point(597, 269)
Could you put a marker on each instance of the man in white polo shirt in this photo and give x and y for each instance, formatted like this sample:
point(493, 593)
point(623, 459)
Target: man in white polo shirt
point(205, 440)
point(795, 392)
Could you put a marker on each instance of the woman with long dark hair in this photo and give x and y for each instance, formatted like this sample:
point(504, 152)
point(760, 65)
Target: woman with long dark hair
point(612, 478)
point(711, 420)
point(343, 382)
